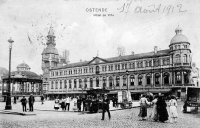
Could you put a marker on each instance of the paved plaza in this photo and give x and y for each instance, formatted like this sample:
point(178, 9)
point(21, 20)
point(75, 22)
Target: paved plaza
point(126, 118)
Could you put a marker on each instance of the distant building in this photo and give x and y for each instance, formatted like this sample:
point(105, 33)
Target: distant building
point(23, 82)
point(51, 58)
point(159, 71)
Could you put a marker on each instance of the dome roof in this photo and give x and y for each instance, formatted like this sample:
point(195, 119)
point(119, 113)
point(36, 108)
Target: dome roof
point(50, 50)
point(24, 74)
point(179, 37)
point(23, 65)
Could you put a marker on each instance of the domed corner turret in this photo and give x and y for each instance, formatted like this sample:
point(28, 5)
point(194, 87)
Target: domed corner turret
point(51, 37)
point(179, 41)
point(180, 48)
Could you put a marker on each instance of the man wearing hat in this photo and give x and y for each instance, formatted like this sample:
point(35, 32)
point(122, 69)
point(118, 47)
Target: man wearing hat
point(31, 100)
point(23, 101)
point(105, 106)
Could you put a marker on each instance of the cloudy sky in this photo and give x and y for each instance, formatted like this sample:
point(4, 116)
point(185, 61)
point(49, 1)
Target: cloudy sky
point(78, 28)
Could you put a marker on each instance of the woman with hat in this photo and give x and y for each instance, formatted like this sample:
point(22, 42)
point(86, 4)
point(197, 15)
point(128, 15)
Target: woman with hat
point(173, 109)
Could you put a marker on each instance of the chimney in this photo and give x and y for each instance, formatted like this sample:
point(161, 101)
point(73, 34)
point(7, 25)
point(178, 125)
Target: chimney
point(132, 53)
point(155, 49)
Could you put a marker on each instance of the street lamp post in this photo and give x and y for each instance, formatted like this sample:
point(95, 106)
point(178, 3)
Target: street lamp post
point(127, 73)
point(8, 100)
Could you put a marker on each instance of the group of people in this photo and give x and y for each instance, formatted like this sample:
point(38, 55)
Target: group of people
point(31, 101)
point(64, 104)
point(159, 110)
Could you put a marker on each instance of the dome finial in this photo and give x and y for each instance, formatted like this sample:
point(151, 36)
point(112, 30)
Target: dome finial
point(51, 31)
point(178, 30)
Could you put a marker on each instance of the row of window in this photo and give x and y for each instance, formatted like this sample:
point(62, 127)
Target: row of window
point(83, 83)
point(178, 46)
point(178, 58)
point(112, 67)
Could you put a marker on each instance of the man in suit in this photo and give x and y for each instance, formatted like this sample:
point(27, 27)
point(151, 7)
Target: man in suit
point(105, 107)
point(31, 101)
point(24, 101)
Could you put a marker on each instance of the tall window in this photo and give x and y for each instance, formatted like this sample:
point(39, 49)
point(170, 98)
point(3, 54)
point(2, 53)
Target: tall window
point(104, 81)
point(124, 80)
point(91, 82)
point(110, 81)
point(178, 78)
point(139, 79)
point(166, 78)
point(148, 78)
point(132, 65)
point(185, 58)
point(60, 84)
point(186, 77)
point(156, 62)
point(80, 83)
point(85, 82)
point(132, 79)
point(65, 83)
point(117, 80)
point(97, 82)
point(56, 84)
point(51, 84)
point(97, 69)
point(178, 58)
point(157, 78)
point(70, 84)
point(74, 83)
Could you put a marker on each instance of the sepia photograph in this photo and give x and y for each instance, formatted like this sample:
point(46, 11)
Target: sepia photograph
point(99, 63)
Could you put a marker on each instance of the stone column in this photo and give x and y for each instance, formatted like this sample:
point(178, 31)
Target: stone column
point(152, 79)
point(107, 81)
point(136, 80)
point(161, 79)
point(101, 81)
point(120, 82)
point(94, 82)
point(144, 83)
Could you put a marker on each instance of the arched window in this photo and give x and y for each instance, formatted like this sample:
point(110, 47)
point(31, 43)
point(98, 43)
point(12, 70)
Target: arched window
point(185, 58)
point(139, 79)
point(70, 83)
point(132, 79)
point(157, 78)
point(148, 78)
point(178, 58)
point(74, 83)
point(80, 83)
point(91, 82)
point(110, 81)
point(124, 80)
point(60, 84)
point(97, 82)
point(166, 78)
point(178, 78)
point(186, 77)
point(117, 80)
point(56, 84)
point(85, 82)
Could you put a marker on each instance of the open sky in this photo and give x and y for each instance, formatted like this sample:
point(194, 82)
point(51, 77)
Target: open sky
point(79, 29)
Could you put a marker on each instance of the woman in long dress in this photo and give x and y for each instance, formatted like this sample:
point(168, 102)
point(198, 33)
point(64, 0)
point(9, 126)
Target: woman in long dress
point(143, 107)
point(154, 114)
point(161, 109)
point(173, 109)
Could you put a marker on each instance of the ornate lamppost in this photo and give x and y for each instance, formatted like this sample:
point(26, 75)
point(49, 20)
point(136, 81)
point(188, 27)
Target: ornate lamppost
point(8, 99)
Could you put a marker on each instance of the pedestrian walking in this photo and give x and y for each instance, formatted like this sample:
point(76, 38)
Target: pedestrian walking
point(63, 105)
point(15, 99)
point(106, 103)
point(67, 102)
point(161, 109)
point(31, 101)
point(42, 99)
point(79, 100)
point(143, 107)
point(173, 109)
point(56, 105)
point(24, 102)
point(154, 114)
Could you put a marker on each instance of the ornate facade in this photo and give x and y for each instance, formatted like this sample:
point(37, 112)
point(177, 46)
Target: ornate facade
point(156, 71)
